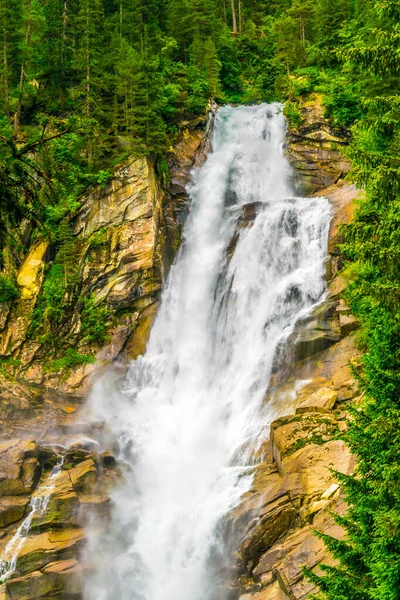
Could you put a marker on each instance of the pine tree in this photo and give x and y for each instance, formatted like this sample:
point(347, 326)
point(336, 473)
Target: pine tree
point(10, 27)
point(88, 62)
point(88, 56)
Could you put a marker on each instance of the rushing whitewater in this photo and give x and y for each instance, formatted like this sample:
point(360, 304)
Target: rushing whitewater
point(191, 413)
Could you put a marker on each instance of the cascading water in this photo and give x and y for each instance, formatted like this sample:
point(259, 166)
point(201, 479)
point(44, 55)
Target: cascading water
point(191, 411)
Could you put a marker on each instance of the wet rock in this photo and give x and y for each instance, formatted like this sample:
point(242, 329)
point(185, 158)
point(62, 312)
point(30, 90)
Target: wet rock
point(50, 546)
point(136, 343)
point(94, 505)
point(108, 460)
point(316, 333)
point(48, 457)
point(265, 532)
point(76, 455)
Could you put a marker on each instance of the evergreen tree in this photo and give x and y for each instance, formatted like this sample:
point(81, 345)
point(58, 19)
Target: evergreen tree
point(370, 557)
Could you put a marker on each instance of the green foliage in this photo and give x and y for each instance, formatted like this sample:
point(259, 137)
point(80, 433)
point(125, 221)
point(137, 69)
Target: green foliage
point(50, 309)
point(85, 83)
point(94, 316)
point(292, 113)
point(8, 289)
point(341, 102)
point(369, 566)
point(71, 359)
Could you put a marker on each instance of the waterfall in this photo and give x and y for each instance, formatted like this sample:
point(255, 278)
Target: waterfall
point(190, 412)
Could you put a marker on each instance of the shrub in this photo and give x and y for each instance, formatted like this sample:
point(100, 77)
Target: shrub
point(70, 359)
point(8, 289)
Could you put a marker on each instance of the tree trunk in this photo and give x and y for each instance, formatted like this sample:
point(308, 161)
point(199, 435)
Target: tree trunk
point(303, 31)
point(17, 115)
point(88, 82)
point(240, 16)
point(234, 26)
point(5, 77)
point(64, 36)
point(87, 62)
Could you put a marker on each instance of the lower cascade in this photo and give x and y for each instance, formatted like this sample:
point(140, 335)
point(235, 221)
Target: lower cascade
point(191, 412)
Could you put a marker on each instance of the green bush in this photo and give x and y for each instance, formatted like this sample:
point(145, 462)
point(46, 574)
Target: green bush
point(341, 102)
point(8, 289)
point(70, 359)
point(94, 321)
point(292, 113)
point(49, 311)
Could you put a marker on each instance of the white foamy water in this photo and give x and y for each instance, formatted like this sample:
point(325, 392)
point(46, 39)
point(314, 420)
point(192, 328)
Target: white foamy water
point(192, 404)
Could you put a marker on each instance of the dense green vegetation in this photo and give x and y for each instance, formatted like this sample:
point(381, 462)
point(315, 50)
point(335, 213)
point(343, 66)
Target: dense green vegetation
point(370, 558)
point(84, 83)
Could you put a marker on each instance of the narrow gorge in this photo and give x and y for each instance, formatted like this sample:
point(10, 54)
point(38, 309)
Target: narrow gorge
point(193, 459)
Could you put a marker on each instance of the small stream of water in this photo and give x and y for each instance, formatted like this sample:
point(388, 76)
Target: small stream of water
point(37, 505)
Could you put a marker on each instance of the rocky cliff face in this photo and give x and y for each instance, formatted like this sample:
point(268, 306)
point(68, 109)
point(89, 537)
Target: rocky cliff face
point(130, 231)
point(127, 234)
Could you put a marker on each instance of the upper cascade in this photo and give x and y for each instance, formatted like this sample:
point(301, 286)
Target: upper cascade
point(190, 413)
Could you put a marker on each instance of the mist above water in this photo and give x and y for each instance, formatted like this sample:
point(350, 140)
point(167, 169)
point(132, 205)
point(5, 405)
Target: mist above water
point(191, 410)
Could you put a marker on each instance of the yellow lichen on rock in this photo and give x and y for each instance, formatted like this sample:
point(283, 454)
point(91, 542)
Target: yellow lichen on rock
point(29, 275)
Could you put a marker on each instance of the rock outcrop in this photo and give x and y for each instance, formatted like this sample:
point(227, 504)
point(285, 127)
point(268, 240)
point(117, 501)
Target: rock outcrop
point(314, 148)
point(43, 513)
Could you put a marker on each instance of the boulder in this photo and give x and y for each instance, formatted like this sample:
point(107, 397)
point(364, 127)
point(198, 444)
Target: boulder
point(314, 463)
point(288, 434)
point(19, 469)
point(83, 476)
point(348, 323)
point(321, 401)
point(272, 592)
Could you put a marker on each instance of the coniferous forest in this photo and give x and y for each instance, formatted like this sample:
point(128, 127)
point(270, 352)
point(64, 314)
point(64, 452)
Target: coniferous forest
point(86, 83)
